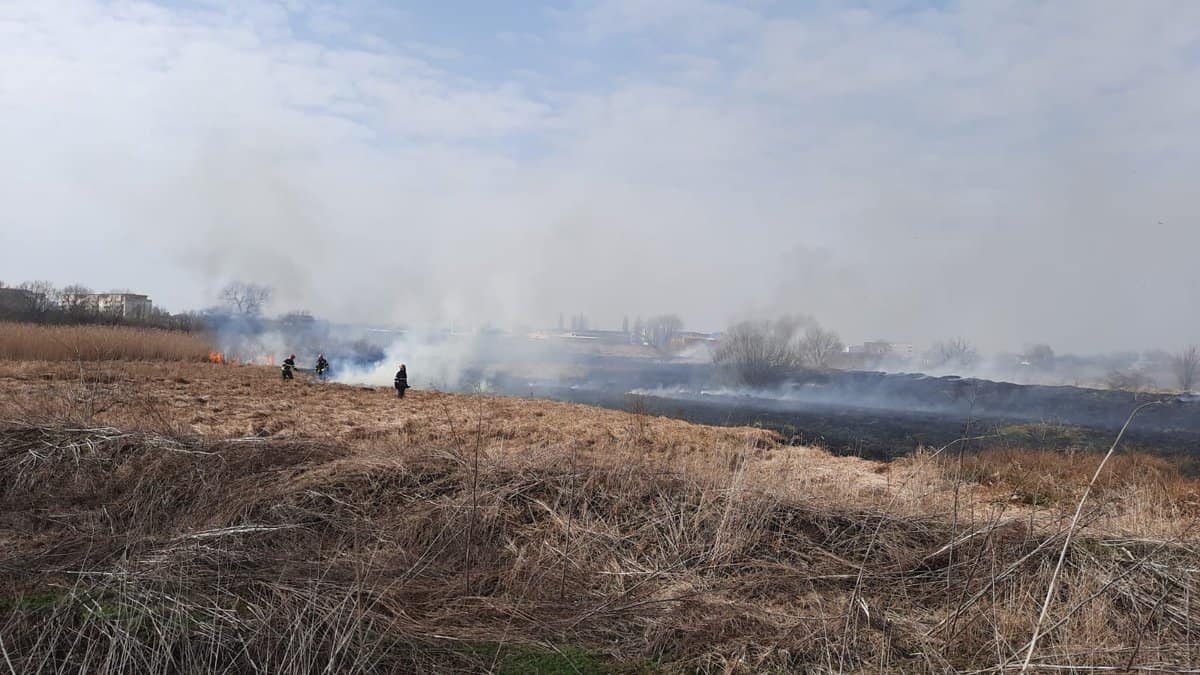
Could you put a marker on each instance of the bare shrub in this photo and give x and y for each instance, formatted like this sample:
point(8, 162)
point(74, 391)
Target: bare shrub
point(1185, 365)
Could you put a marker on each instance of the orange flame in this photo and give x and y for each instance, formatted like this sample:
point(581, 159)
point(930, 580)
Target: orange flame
point(216, 357)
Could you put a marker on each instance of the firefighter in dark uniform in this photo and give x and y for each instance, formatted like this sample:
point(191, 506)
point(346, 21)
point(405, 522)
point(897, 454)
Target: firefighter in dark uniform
point(289, 365)
point(322, 366)
point(401, 382)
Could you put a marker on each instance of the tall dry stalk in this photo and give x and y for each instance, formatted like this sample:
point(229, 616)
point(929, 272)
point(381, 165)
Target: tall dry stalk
point(474, 492)
point(1062, 554)
point(562, 586)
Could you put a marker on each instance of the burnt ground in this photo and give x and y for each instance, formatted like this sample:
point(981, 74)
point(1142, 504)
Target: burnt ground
point(886, 434)
point(881, 434)
point(882, 416)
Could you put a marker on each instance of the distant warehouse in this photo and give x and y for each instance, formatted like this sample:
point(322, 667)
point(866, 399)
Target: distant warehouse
point(125, 305)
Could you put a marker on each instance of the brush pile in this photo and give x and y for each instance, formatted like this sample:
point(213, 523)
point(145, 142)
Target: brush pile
point(139, 552)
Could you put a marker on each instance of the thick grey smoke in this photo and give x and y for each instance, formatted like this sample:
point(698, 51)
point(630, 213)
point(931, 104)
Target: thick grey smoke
point(1009, 172)
point(433, 362)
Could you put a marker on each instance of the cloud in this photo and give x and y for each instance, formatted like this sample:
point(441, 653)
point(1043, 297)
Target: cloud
point(901, 170)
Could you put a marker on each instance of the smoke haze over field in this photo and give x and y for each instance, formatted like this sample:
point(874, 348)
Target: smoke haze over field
point(1012, 172)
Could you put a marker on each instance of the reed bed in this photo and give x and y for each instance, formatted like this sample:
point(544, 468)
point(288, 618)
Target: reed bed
point(34, 342)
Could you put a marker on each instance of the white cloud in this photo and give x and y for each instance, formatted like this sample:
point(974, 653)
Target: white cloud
point(991, 169)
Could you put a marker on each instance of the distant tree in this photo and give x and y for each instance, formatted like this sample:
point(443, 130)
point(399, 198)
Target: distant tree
point(660, 329)
point(1185, 365)
point(245, 298)
point(40, 299)
point(74, 289)
point(71, 299)
point(561, 326)
point(957, 353)
point(764, 352)
point(639, 331)
point(1040, 357)
point(625, 325)
point(817, 347)
point(759, 353)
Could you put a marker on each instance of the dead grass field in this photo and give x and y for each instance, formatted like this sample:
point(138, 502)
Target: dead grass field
point(1049, 478)
point(34, 342)
point(196, 517)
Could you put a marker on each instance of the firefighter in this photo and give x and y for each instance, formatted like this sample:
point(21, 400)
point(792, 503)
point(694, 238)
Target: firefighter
point(289, 365)
point(401, 381)
point(322, 366)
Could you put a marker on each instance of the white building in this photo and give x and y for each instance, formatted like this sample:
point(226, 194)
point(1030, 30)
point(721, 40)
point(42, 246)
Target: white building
point(126, 305)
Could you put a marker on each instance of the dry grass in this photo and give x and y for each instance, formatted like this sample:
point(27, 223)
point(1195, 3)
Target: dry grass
point(1040, 476)
point(209, 518)
point(1150, 493)
point(32, 342)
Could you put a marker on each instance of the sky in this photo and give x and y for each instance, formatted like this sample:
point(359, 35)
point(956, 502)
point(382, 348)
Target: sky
point(1010, 172)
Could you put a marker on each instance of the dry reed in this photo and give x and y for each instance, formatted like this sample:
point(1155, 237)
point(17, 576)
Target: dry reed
point(33, 342)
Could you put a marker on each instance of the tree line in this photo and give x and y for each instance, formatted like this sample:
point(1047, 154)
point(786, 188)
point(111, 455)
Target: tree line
point(44, 303)
point(767, 352)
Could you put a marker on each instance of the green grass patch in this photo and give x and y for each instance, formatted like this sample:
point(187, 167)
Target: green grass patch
point(1044, 434)
point(30, 602)
point(512, 659)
